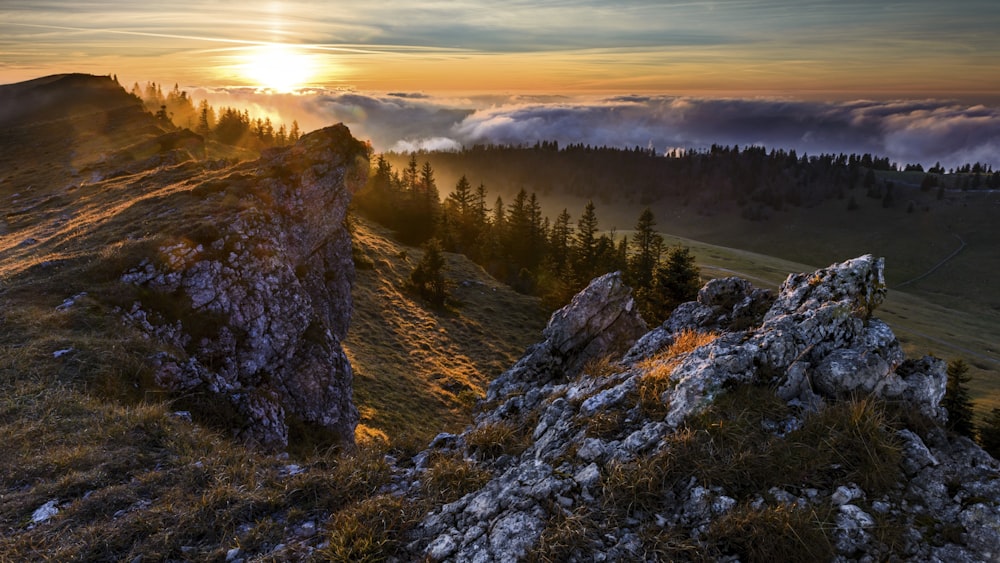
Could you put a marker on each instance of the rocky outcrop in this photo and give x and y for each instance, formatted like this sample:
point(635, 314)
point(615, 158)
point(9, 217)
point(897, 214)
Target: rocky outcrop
point(599, 321)
point(604, 469)
point(251, 306)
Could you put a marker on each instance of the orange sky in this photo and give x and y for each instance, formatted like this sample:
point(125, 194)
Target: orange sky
point(807, 49)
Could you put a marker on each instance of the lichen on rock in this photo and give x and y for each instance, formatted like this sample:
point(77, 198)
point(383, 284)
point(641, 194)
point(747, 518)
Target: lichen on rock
point(599, 477)
point(254, 314)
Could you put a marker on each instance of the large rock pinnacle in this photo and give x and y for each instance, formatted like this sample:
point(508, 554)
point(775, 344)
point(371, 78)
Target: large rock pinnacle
point(253, 309)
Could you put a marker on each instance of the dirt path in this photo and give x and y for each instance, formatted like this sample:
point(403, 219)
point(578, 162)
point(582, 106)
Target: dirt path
point(935, 266)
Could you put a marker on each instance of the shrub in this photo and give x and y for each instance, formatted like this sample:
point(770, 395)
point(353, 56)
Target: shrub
point(427, 277)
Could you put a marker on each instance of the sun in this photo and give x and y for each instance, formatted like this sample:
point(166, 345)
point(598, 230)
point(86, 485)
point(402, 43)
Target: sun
point(282, 68)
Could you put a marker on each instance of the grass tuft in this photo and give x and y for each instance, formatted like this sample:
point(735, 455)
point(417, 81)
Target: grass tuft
point(779, 533)
point(371, 530)
point(449, 478)
point(493, 440)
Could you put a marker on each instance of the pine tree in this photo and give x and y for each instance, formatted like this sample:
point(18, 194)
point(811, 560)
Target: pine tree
point(559, 240)
point(647, 246)
point(956, 399)
point(427, 276)
point(585, 246)
point(677, 281)
point(989, 434)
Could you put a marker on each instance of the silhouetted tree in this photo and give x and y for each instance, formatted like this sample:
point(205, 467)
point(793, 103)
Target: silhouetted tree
point(989, 433)
point(957, 400)
point(427, 277)
point(585, 245)
point(647, 246)
point(677, 281)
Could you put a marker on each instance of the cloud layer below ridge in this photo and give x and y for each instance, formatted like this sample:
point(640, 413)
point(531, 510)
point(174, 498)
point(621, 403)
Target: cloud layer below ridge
point(923, 131)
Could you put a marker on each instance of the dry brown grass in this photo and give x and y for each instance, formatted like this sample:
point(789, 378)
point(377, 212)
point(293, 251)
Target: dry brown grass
point(655, 380)
point(418, 371)
point(449, 478)
point(780, 533)
point(493, 440)
point(370, 530)
point(734, 445)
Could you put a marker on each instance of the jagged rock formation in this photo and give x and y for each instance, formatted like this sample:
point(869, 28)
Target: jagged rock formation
point(252, 304)
point(792, 429)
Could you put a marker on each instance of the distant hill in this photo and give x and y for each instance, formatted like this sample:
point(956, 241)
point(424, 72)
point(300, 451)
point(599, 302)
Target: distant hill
point(63, 96)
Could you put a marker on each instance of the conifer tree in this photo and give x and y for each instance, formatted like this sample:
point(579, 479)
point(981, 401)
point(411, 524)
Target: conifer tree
point(956, 399)
point(647, 246)
point(427, 276)
point(559, 240)
point(585, 245)
point(989, 433)
point(677, 281)
point(461, 214)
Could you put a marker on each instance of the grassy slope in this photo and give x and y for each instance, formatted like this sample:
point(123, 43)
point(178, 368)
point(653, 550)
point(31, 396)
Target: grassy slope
point(417, 371)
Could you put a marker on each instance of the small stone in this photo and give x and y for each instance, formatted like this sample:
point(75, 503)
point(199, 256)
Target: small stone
point(845, 494)
point(44, 512)
point(306, 530)
point(588, 477)
point(591, 449)
point(233, 555)
point(441, 547)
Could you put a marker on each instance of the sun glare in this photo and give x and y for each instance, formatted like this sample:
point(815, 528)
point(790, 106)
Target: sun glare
point(281, 68)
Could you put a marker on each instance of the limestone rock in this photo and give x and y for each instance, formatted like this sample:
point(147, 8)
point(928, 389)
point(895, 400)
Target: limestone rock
point(254, 312)
point(600, 320)
point(815, 343)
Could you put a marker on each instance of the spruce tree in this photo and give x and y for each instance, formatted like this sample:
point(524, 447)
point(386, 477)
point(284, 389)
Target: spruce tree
point(428, 275)
point(677, 281)
point(956, 399)
point(647, 246)
point(559, 239)
point(585, 246)
point(989, 434)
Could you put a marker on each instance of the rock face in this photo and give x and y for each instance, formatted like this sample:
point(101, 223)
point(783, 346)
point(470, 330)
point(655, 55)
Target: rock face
point(253, 304)
point(606, 470)
point(600, 320)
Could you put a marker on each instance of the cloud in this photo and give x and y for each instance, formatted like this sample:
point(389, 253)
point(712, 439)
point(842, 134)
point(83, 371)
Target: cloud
point(906, 132)
point(924, 131)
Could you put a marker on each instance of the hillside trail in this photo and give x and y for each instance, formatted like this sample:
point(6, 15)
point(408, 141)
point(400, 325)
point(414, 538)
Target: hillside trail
point(936, 266)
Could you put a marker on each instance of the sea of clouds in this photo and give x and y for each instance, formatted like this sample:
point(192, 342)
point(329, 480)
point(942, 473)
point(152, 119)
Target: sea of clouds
point(920, 131)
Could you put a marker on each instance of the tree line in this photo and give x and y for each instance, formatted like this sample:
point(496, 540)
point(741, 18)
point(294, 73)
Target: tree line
point(754, 178)
point(226, 125)
point(515, 243)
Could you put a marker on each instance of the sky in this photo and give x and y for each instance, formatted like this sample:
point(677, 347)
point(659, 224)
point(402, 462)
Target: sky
point(561, 65)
